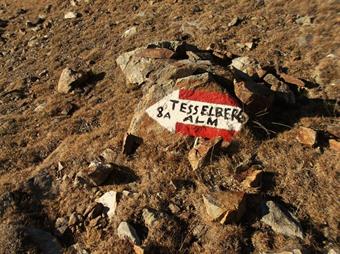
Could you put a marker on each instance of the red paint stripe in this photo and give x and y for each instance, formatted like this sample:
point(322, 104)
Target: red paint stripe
point(205, 132)
point(210, 97)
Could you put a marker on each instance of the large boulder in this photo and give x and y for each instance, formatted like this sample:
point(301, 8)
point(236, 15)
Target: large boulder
point(177, 80)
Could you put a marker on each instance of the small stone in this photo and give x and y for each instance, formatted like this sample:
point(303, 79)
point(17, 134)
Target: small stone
point(234, 22)
point(74, 2)
point(149, 217)
point(256, 97)
point(33, 42)
point(126, 230)
point(244, 67)
point(196, 8)
point(174, 208)
point(68, 109)
point(40, 108)
point(89, 208)
point(156, 53)
point(333, 251)
point(249, 45)
point(131, 143)
point(251, 178)
point(282, 91)
point(109, 155)
point(68, 79)
point(334, 145)
point(130, 32)
point(281, 222)
point(138, 249)
point(202, 151)
point(70, 15)
point(73, 219)
point(96, 174)
point(225, 207)
point(126, 193)
point(305, 20)
point(334, 130)
point(109, 200)
point(43, 73)
point(306, 136)
point(61, 225)
point(292, 80)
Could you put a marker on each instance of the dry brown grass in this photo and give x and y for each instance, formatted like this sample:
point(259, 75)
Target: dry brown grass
point(305, 178)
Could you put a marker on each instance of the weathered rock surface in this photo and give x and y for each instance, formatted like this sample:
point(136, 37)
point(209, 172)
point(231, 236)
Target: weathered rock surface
point(292, 80)
point(161, 68)
point(68, 79)
point(256, 97)
point(203, 151)
point(70, 15)
point(281, 221)
point(149, 217)
point(130, 32)
point(143, 126)
point(125, 230)
point(138, 249)
point(109, 200)
point(246, 68)
point(93, 211)
point(73, 219)
point(282, 91)
point(225, 207)
point(334, 130)
point(95, 174)
point(61, 225)
point(306, 136)
point(234, 22)
point(109, 155)
point(251, 178)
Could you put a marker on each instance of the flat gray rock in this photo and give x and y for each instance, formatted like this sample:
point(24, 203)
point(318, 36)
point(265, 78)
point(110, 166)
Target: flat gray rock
point(126, 230)
point(281, 221)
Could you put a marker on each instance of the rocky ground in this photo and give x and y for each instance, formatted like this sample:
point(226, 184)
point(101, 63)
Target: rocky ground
point(73, 180)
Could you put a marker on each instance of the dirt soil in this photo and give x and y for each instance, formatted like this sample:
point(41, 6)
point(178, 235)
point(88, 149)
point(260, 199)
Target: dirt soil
point(40, 127)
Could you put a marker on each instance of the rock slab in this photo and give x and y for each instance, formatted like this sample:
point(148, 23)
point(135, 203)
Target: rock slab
point(225, 207)
point(281, 221)
point(125, 230)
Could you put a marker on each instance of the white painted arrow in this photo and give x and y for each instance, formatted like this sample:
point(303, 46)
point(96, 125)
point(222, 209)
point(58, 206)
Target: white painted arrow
point(171, 110)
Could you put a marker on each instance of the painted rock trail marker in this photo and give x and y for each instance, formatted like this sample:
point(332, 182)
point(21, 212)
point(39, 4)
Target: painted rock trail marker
point(199, 113)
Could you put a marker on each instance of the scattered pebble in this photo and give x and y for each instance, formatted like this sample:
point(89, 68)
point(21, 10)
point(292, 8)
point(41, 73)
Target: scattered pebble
point(125, 230)
point(306, 136)
point(234, 22)
point(225, 207)
point(95, 175)
point(70, 15)
point(130, 32)
point(68, 79)
point(109, 200)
